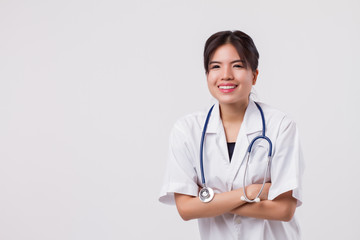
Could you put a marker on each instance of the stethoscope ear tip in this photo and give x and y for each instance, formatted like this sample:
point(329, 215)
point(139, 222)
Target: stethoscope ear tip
point(243, 198)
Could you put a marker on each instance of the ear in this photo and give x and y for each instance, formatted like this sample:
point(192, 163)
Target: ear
point(255, 74)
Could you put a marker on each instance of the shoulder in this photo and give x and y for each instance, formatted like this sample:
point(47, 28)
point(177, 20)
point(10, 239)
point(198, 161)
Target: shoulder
point(186, 130)
point(270, 111)
point(190, 123)
point(276, 117)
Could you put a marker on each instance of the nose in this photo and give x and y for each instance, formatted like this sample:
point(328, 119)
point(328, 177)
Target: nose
point(227, 73)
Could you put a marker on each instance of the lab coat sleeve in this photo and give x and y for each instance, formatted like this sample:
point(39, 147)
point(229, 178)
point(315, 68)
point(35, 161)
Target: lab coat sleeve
point(287, 164)
point(180, 175)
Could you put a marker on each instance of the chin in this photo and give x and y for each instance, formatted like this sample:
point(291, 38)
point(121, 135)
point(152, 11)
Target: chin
point(231, 100)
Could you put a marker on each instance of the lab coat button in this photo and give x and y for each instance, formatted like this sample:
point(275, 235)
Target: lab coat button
point(238, 220)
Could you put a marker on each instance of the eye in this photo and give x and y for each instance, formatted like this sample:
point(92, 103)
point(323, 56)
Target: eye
point(214, 66)
point(238, 66)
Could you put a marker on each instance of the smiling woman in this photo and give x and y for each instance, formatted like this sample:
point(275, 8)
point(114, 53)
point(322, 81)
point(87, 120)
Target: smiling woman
point(228, 74)
point(242, 198)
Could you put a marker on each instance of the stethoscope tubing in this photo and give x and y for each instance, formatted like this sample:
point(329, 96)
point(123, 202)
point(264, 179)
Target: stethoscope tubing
point(202, 146)
point(263, 136)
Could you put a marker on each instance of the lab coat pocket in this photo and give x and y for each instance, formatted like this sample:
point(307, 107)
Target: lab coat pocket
point(258, 163)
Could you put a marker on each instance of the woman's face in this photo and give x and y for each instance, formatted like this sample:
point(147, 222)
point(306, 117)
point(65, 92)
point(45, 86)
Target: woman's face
point(228, 81)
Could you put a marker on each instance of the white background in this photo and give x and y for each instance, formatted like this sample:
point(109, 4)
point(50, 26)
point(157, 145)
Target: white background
point(89, 91)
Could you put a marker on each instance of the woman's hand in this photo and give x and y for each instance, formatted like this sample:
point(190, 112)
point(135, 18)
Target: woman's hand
point(281, 208)
point(253, 190)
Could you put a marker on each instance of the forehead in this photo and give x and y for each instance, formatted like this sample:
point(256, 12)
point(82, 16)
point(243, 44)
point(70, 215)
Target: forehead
point(226, 52)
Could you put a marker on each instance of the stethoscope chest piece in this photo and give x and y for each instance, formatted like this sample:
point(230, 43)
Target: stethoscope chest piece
point(206, 194)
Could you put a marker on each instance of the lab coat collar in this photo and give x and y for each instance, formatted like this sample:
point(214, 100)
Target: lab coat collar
point(251, 123)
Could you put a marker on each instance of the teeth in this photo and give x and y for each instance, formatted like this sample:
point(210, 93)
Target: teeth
point(226, 87)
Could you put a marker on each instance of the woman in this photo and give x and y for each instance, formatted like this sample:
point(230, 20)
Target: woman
point(231, 62)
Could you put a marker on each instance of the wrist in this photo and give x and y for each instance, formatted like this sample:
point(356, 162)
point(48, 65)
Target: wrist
point(253, 190)
point(250, 191)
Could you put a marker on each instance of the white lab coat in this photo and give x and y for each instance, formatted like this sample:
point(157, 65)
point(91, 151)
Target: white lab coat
point(183, 169)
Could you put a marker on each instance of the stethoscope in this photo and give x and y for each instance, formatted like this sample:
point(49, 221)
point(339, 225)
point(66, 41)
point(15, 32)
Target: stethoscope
point(206, 194)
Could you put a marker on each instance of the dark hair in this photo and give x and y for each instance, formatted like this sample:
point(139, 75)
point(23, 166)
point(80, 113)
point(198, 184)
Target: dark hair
point(240, 40)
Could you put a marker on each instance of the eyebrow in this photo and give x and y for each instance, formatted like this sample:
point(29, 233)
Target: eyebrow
point(235, 61)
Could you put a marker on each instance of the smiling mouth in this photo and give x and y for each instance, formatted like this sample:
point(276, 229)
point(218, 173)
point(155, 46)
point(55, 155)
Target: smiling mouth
point(228, 87)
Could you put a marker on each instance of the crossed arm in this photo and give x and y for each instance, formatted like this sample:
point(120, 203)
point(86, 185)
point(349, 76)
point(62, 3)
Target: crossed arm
point(281, 208)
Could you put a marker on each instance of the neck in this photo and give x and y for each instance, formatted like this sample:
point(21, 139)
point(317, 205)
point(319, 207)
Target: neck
point(233, 112)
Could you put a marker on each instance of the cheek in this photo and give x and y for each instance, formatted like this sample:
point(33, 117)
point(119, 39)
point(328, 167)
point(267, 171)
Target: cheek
point(211, 78)
point(245, 78)
point(211, 84)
